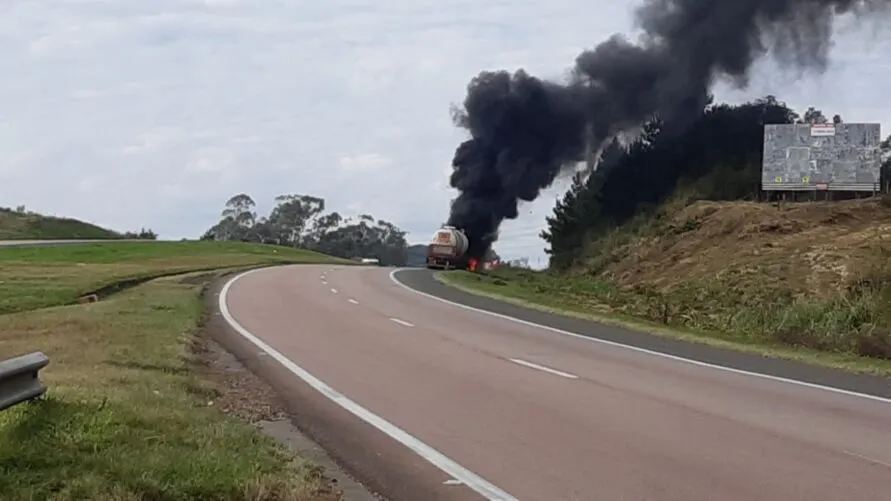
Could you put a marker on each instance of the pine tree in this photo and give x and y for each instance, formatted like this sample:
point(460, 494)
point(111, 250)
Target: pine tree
point(566, 226)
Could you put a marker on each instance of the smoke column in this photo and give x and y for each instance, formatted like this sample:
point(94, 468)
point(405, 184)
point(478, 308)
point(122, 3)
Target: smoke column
point(525, 131)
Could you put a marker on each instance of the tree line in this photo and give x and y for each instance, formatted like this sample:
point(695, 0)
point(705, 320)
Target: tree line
point(301, 221)
point(717, 158)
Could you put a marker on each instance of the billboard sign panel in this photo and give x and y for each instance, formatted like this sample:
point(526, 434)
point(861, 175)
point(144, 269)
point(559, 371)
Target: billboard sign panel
point(834, 157)
point(822, 130)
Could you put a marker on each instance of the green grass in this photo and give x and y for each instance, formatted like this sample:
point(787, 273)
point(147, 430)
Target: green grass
point(127, 418)
point(817, 332)
point(29, 226)
point(38, 277)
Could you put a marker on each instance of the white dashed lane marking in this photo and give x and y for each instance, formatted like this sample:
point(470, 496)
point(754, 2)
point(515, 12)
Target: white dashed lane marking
point(543, 368)
point(448, 466)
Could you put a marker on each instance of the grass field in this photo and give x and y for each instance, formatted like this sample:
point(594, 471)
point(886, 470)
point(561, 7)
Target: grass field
point(37, 277)
point(129, 414)
point(588, 299)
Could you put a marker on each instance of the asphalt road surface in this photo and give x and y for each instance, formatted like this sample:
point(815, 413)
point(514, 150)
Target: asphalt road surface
point(55, 243)
point(482, 407)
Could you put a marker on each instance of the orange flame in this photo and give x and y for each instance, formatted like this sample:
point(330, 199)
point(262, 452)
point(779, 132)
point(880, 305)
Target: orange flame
point(472, 264)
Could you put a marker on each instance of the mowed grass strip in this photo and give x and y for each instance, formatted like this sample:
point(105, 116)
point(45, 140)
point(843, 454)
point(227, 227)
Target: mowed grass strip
point(38, 277)
point(127, 417)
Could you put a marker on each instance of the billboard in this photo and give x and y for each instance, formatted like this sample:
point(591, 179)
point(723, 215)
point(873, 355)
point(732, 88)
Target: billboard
point(832, 157)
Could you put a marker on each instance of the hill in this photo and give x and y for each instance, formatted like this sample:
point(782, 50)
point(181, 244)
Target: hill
point(801, 275)
point(416, 255)
point(21, 225)
point(817, 249)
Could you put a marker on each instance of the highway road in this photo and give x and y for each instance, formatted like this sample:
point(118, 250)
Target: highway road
point(460, 404)
point(55, 243)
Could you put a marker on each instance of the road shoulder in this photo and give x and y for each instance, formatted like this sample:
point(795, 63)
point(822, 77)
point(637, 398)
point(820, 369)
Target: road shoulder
point(251, 397)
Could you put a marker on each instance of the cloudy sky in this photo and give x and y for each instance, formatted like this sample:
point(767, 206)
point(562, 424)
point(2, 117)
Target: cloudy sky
point(132, 113)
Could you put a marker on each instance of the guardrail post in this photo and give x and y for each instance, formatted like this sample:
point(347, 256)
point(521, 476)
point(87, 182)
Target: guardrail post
point(19, 379)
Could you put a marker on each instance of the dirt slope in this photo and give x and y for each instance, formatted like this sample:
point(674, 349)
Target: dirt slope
point(814, 249)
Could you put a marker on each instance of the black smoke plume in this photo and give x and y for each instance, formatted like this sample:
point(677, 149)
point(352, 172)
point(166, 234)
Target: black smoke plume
point(526, 131)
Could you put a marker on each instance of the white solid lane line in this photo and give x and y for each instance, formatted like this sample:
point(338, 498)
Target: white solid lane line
point(869, 459)
point(543, 368)
point(638, 349)
point(402, 322)
point(353, 301)
point(480, 485)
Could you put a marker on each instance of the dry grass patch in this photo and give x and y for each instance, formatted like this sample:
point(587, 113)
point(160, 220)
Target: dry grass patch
point(128, 418)
point(814, 248)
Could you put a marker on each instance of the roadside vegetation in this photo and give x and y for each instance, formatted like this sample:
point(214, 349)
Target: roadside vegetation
point(673, 233)
point(129, 414)
point(695, 315)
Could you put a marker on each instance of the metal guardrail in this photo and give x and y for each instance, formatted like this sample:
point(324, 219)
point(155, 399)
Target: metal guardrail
point(19, 379)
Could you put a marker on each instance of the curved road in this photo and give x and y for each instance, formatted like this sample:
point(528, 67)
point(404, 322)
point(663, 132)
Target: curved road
point(475, 406)
point(56, 243)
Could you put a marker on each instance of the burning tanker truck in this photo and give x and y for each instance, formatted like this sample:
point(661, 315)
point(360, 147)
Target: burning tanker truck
point(447, 250)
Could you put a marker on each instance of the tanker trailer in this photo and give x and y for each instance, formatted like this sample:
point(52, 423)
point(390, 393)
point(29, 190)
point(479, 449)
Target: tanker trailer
point(447, 249)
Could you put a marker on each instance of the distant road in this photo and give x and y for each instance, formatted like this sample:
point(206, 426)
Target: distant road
point(506, 410)
point(53, 243)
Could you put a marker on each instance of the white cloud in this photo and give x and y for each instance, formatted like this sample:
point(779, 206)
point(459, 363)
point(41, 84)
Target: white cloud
point(132, 113)
point(210, 160)
point(365, 162)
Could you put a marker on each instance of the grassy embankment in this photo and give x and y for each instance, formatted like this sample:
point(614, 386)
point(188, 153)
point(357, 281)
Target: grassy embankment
point(810, 281)
point(30, 226)
point(128, 415)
